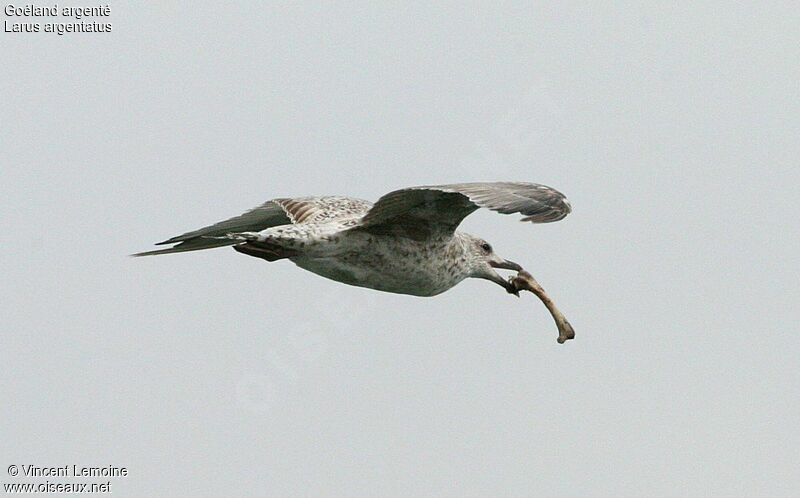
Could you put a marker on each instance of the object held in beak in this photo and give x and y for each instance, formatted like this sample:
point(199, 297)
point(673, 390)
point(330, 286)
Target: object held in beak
point(495, 277)
point(525, 281)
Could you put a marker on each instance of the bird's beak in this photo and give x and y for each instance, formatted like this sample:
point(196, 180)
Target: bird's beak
point(505, 264)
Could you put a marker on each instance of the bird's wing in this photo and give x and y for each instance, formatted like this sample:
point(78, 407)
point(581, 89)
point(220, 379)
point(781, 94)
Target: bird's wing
point(272, 213)
point(419, 212)
point(323, 209)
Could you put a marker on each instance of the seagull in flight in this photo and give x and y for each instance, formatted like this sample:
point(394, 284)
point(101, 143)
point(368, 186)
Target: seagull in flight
point(406, 243)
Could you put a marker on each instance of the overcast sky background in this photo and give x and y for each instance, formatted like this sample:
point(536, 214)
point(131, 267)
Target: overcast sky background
point(672, 129)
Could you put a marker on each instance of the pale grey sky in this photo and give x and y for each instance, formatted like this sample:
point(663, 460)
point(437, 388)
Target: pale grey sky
point(673, 129)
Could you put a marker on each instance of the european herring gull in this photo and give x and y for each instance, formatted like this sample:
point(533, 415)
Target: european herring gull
point(406, 242)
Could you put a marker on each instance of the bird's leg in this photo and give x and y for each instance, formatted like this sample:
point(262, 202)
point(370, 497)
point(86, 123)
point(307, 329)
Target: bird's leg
point(264, 250)
point(525, 281)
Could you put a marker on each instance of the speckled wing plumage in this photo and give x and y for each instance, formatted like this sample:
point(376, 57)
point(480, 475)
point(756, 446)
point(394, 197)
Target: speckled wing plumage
point(323, 209)
point(420, 212)
point(276, 212)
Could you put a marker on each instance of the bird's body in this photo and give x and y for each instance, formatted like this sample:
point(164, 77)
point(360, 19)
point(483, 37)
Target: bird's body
point(381, 263)
point(406, 243)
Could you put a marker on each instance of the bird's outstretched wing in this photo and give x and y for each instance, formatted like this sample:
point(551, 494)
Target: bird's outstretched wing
point(419, 212)
point(272, 213)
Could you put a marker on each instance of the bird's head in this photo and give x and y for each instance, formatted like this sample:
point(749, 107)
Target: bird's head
point(483, 261)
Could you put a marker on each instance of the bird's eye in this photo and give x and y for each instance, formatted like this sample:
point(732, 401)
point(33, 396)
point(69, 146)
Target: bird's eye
point(486, 247)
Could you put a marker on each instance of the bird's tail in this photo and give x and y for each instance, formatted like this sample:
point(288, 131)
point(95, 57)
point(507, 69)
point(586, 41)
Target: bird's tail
point(195, 244)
